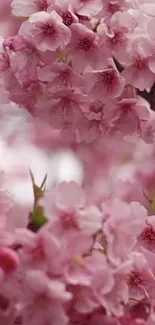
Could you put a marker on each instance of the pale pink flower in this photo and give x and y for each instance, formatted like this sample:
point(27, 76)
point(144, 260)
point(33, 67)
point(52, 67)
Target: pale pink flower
point(148, 130)
point(89, 8)
point(105, 83)
point(83, 48)
point(25, 8)
point(42, 299)
point(110, 7)
point(23, 58)
point(118, 297)
point(101, 284)
point(7, 78)
point(27, 95)
point(151, 33)
point(67, 211)
point(137, 71)
point(60, 75)
point(46, 30)
point(147, 236)
point(123, 225)
point(66, 11)
point(75, 267)
point(62, 107)
point(42, 251)
point(126, 110)
point(141, 279)
point(115, 36)
point(88, 298)
point(93, 123)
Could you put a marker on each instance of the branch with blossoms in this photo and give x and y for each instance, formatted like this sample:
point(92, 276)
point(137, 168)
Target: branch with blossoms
point(82, 76)
point(148, 95)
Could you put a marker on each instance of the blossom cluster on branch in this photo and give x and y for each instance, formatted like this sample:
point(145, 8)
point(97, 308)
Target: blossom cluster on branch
point(84, 71)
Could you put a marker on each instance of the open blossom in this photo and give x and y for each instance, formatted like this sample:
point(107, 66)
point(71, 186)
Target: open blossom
point(75, 266)
point(61, 107)
point(125, 110)
point(115, 36)
point(43, 299)
point(23, 58)
point(26, 8)
point(46, 31)
point(123, 225)
point(147, 236)
point(110, 7)
point(83, 48)
point(137, 71)
point(60, 75)
point(105, 83)
point(141, 279)
point(93, 123)
point(66, 11)
point(67, 210)
point(88, 8)
point(28, 94)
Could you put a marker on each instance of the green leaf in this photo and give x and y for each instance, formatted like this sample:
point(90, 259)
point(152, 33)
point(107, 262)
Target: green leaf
point(38, 191)
point(37, 218)
point(43, 182)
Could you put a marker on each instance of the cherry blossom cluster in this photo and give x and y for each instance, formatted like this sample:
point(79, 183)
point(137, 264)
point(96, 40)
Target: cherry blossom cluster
point(70, 62)
point(81, 255)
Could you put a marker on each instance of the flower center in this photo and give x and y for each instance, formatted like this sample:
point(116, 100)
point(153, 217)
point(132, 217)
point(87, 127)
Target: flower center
point(108, 78)
point(118, 39)
point(67, 18)
point(140, 63)
point(68, 220)
point(48, 29)
point(148, 235)
point(85, 44)
point(135, 279)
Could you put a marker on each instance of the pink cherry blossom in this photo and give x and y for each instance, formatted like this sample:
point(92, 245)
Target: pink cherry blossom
point(66, 11)
point(83, 48)
point(46, 30)
point(43, 299)
point(115, 37)
point(60, 75)
point(137, 71)
point(123, 225)
point(78, 78)
point(26, 8)
point(27, 95)
point(94, 123)
point(23, 58)
point(127, 110)
point(111, 7)
point(140, 279)
point(69, 205)
point(146, 238)
point(106, 83)
point(88, 8)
